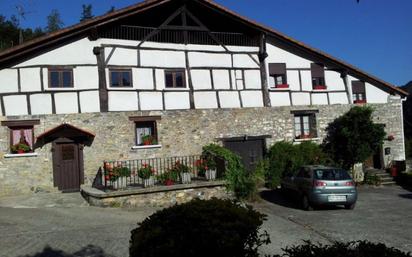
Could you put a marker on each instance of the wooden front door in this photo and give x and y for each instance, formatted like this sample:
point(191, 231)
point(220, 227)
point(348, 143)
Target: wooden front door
point(67, 165)
point(251, 151)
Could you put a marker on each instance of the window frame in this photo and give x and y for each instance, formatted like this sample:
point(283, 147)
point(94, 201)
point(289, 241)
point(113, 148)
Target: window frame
point(317, 71)
point(60, 71)
point(18, 125)
point(144, 122)
point(174, 72)
point(312, 122)
point(278, 70)
point(120, 71)
point(358, 97)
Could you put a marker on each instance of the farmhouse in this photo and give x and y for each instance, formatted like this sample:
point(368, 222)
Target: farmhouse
point(163, 78)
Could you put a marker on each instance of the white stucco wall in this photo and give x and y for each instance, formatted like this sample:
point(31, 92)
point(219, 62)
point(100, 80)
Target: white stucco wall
point(253, 79)
point(278, 55)
point(120, 56)
point(197, 59)
point(245, 61)
point(338, 98)
point(143, 78)
point(30, 79)
point(15, 105)
point(252, 98)
point(123, 101)
point(293, 79)
point(229, 99)
point(160, 79)
point(89, 101)
point(279, 98)
point(66, 103)
point(221, 79)
point(306, 80)
point(8, 81)
point(78, 52)
point(375, 95)
point(319, 99)
point(41, 104)
point(201, 79)
point(334, 81)
point(151, 101)
point(205, 100)
point(169, 59)
point(85, 78)
point(300, 98)
point(177, 100)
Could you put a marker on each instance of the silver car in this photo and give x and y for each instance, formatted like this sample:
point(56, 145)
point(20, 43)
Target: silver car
point(320, 185)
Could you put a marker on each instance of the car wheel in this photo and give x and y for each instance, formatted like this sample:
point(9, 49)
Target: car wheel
point(350, 206)
point(306, 204)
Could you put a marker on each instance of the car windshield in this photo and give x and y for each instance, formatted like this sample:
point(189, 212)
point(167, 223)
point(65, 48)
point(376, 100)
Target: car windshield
point(331, 174)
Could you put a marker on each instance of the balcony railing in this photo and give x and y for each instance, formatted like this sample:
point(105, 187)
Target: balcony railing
point(120, 175)
point(177, 36)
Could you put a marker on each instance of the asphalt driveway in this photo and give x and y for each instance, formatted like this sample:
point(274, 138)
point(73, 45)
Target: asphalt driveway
point(65, 226)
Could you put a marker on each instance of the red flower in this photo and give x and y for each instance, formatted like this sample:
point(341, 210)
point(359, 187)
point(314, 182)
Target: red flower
point(106, 177)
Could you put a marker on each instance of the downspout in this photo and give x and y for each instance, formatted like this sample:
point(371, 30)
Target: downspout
point(403, 157)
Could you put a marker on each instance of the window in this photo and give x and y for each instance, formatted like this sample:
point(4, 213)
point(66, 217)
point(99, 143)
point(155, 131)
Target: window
point(145, 130)
point(305, 125)
point(60, 78)
point(21, 135)
point(358, 91)
point(277, 75)
point(318, 76)
point(175, 79)
point(121, 78)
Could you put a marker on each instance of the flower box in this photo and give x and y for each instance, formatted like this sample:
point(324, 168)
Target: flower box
point(319, 87)
point(359, 101)
point(282, 86)
point(120, 183)
point(210, 174)
point(304, 137)
point(186, 177)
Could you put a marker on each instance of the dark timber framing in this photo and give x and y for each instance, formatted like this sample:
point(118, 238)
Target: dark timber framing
point(263, 74)
point(103, 93)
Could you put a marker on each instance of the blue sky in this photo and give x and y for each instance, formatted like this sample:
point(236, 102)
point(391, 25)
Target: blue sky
point(374, 35)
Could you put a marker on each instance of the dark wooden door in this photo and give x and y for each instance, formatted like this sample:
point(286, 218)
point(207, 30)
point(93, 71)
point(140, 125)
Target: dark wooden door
point(66, 166)
point(251, 151)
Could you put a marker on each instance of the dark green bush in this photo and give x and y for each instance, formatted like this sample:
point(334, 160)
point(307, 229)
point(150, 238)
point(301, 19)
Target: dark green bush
point(408, 148)
point(285, 158)
point(372, 179)
point(351, 249)
point(200, 228)
point(238, 180)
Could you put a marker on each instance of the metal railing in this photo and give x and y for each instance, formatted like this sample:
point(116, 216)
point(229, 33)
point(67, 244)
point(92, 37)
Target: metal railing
point(177, 36)
point(125, 174)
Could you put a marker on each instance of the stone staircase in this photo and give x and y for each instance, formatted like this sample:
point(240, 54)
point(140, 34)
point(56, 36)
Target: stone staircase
point(386, 178)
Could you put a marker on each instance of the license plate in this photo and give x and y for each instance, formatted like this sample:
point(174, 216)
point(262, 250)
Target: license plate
point(337, 198)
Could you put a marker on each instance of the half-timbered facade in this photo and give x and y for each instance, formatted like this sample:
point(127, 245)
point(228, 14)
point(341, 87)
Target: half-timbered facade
point(163, 78)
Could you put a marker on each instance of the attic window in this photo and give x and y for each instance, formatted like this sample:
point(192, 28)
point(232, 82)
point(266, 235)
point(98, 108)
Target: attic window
point(60, 78)
point(277, 72)
point(359, 92)
point(121, 78)
point(318, 76)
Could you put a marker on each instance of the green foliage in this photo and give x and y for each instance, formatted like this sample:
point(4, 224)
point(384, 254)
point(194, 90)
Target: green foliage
point(86, 12)
point(285, 158)
point(118, 172)
point(338, 249)
point(54, 21)
point(200, 228)
point(405, 179)
point(20, 147)
point(169, 177)
point(146, 171)
point(238, 180)
point(10, 30)
point(179, 167)
point(353, 137)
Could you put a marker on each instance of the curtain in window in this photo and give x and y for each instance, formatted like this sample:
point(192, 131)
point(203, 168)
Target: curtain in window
point(23, 135)
point(140, 132)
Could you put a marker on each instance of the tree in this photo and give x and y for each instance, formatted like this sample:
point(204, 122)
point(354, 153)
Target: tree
point(10, 32)
point(353, 137)
point(86, 13)
point(54, 21)
point(112, 9)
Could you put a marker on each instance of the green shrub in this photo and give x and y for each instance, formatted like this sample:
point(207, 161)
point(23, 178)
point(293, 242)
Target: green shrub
point(285, 158)
point(351, 249)
point(200, 228)
point(372, 179)
point(238, 180)
point(408, 148)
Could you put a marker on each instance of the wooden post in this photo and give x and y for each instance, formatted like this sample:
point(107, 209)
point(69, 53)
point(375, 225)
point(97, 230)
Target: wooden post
point(262, 56)
point(103, 93)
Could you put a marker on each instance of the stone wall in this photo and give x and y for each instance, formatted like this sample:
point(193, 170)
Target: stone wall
point(180, 133)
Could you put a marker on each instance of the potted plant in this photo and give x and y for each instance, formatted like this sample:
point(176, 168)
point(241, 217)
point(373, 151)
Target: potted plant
point(282, 86)
point(210, 167)
point(146, 173)
point(118, 176)
point(319, 87)
point(149, 140)
point(363, 101)
point(183, 171)
point(20, 148)
point(168, 178)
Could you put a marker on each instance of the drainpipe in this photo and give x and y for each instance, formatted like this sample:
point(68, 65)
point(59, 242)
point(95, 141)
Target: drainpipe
point(402, 131)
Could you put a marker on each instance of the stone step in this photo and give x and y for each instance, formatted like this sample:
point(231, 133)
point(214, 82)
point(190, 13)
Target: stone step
point(389, 183)
point(390, 179)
